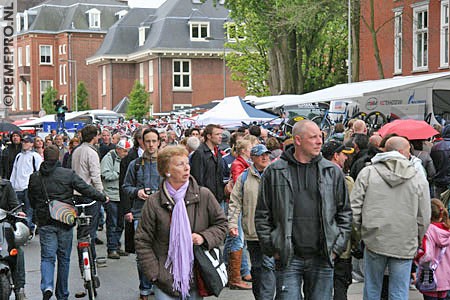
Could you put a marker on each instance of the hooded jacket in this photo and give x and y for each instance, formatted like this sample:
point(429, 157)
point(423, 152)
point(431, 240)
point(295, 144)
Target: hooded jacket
point(440, 154)
point(59, 184)
point(8, 156)
point(436, 238)
point(391, 205)
point(110, 170)
point(274, 210)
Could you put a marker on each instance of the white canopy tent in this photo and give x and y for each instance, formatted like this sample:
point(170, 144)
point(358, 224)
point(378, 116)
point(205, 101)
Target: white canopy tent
point(231, 112)
point(350, 91)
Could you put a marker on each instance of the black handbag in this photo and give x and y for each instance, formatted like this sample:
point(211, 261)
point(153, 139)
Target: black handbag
point(211, 267)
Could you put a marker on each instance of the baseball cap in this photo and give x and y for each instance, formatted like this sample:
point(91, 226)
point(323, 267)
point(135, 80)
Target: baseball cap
point(28, 139)
point(124, 144)
point(331, 147)
point(258, 150)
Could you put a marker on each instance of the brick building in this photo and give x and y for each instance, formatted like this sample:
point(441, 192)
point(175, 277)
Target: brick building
point(175, 51)
point(413, 39)
point(53, 40)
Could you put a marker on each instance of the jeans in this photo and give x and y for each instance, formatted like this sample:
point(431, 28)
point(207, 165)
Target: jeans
point(236, 244)
point(145, 286)
point(22, 196)
point(113, 230)
point(342, 277)
point(61, 123)
point(56, 242)
point(399, 276)
point(160, 295)
point(101, 219)
point(94, 211)
point(315, 274)
point(263, 272)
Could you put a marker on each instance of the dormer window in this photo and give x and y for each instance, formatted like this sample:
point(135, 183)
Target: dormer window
point(94, 18)
point(19, 22)
point(121, 14)
point(142, 34)
point(25, 21)
point(235, 32)
point(199, 30)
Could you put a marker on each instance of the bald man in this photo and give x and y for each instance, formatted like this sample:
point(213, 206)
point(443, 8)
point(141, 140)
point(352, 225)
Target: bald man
point(391, 207)
point(359, 127)
point(303, 217)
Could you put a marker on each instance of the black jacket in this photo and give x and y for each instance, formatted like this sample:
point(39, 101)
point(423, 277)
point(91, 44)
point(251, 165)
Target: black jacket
point(274, 211)
point(8, 198)
point(207, 170)
point(125, 201)
point(8, 157)
point(59, 183)
point(440, 154)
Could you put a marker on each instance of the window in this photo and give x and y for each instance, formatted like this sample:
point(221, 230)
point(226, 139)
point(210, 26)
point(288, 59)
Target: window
point(45, 54)
point(199, 31)
point(28, 95)
point(444, 34)
point(27, 55)
point(235, 32)
point(18, 22)
point(64, 97)
point(182, 74)
point(150, 76)
point(62, 74)
point(103, 80)
point(142, 35)
point(45, 84)
point(121, 14)
point(64, 49)
point(420, 38)
point(20, 95)
point(141, 73)
point(94, 18)
point(19, 56)
point(398, 38)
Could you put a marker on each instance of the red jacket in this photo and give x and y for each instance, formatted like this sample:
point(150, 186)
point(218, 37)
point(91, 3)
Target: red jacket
point(238, 166)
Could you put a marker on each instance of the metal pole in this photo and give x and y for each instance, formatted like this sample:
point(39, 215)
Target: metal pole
point(224, 73)
point(76, 85)
point(349, 58)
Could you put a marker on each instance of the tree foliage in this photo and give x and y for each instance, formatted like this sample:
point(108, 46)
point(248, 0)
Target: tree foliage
point(82, 97)
point(301, 44)
point(139, 102)
point(50, 95)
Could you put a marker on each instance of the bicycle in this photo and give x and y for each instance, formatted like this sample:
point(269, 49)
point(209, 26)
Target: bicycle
point(88, 268)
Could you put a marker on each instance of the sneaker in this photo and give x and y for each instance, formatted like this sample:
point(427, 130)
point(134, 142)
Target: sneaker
point(47, 295)
point(113, 255)
point(122, 252)
point(98, 241)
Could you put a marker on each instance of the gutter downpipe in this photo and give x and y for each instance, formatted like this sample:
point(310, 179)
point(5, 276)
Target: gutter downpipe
point(159, 83)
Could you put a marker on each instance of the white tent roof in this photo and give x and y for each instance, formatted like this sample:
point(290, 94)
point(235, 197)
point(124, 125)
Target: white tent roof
point(230, 112)
point(350, 91)
point(69, 116)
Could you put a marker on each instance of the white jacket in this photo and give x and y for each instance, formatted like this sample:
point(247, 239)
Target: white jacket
point(23, 168)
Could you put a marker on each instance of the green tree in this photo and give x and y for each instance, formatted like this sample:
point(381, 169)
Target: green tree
point(303, 42)
point(82, 96)
point(139, 102)
point(50, 95)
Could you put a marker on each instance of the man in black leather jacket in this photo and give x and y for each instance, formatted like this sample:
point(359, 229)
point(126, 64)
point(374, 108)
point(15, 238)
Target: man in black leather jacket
point(303, 216)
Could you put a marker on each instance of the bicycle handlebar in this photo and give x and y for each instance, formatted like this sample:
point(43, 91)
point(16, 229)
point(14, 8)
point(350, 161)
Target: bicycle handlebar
point(83, 205)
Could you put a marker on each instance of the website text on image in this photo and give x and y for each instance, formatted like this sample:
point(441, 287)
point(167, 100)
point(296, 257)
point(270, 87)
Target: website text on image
point(7, 27)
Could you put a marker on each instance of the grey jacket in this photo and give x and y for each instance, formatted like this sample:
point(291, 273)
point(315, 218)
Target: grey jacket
point(274, 211)
point(110, 170)
point(391, 205)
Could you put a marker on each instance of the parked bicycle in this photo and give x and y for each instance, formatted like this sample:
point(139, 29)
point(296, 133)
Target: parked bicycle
point(88, 267)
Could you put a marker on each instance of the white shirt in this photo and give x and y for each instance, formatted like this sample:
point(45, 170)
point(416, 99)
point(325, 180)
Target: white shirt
point(23, 168)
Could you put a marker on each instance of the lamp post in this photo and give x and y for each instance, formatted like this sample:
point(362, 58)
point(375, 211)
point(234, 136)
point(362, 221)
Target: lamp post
point(349, 54)
point(74, 63)
point(224, 63)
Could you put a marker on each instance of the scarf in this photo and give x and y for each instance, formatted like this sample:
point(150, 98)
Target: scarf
point(180, 258)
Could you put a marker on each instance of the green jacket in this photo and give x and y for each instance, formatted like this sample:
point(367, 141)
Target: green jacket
point(110, 170)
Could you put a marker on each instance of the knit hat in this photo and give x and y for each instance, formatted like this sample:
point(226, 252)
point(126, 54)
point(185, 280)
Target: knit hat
point(51, 153)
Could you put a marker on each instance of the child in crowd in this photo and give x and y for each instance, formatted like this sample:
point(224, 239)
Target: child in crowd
point(435, 240)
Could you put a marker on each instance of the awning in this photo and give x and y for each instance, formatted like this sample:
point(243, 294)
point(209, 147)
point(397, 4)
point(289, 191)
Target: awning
point(351, 91)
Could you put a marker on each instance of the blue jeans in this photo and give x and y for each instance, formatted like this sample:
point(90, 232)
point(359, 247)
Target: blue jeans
point(22, 196)
point(263, 272)
point(113, 230)
point(145, 286)
point(56, 242)
point(236, 244)
point(399, 276)
point(160, 295)
point(60, 123)
point(315, 274)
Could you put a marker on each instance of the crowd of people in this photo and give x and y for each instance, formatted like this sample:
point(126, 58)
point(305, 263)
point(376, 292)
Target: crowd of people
point(298, 218)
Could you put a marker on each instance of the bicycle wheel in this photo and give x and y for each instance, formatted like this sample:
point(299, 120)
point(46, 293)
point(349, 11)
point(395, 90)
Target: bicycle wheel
point(375, 120)
point(325, 125)
point(360, 116)
point(290, 124)
point(91, 289)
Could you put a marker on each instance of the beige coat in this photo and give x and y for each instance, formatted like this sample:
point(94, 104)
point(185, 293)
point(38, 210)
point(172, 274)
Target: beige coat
point(86, 163)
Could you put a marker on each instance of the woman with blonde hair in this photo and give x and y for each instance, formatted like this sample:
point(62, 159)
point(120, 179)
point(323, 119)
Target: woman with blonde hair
point(181, 214)
point(38, 146)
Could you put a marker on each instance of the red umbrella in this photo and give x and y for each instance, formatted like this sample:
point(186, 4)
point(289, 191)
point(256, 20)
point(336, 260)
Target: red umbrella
point(412, 129)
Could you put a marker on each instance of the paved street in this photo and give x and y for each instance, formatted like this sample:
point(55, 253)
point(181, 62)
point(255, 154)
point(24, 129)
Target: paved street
point(119, 278)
